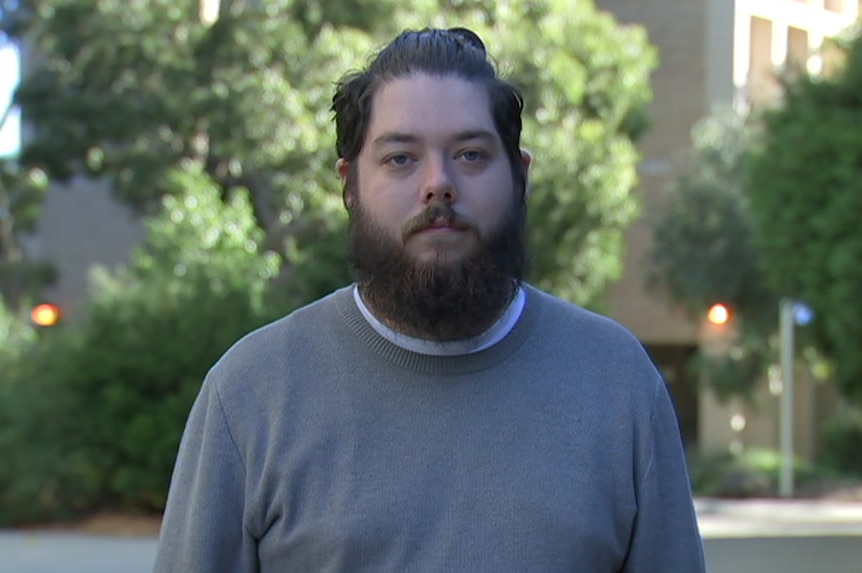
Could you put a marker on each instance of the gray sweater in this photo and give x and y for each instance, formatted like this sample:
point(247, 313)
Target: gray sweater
point(316, 445)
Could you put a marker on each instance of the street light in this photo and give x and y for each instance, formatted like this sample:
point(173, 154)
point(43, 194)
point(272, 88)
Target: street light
point(45, 314)
point(717, 331)
point(718, 314)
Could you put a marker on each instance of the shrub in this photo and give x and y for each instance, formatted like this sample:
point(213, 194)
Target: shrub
point(45, 473)
point(841, 443)
point(95, 411)
point(15, 336)
point(753, 473)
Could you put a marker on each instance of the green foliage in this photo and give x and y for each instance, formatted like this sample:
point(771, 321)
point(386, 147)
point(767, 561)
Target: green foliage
point(737, 372)
point(198, 284)
point(753, 473)
point(46, 471)
point(132, 90)
point(704, 251)
point(21, 193)
point(15, 336)
point(841, 442)
point(805, 188)
point(247, 98)
point(122, 381)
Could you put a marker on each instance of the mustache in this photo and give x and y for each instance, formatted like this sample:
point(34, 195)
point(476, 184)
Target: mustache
point(434, 214)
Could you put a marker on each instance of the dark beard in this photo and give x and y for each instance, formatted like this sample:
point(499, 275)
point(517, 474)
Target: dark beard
point(439, 300)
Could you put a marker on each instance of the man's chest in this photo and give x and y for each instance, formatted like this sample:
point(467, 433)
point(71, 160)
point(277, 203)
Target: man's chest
point(445, 490)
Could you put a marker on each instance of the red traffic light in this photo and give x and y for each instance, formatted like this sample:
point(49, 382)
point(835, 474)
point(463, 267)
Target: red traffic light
point(45, 314)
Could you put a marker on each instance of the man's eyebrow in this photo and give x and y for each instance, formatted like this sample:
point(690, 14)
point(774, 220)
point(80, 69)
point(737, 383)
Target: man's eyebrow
point(482, 134)
point(399, 137)
point(393, 137)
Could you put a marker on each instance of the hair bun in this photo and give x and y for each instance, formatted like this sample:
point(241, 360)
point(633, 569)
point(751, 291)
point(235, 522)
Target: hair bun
point(468, 37)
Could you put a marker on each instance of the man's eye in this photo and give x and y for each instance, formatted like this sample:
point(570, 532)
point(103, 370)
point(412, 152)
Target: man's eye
point(398, 159)
point(471, 155)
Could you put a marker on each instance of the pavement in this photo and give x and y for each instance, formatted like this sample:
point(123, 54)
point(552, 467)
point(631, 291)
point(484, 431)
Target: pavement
point(70, 552)
point(720, 520)
point(747, 518)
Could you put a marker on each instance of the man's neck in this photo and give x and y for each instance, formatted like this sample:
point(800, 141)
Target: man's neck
point(489, 336)
point(445, 325)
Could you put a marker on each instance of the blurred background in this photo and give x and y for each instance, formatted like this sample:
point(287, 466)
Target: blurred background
point(167, 185)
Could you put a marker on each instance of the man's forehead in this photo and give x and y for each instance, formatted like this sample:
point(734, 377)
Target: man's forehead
point(419, 107)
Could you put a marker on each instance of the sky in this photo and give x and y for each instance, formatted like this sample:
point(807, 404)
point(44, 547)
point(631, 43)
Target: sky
point(9, 71)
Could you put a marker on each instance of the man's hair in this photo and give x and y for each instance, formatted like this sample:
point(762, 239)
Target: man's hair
point(455, 52)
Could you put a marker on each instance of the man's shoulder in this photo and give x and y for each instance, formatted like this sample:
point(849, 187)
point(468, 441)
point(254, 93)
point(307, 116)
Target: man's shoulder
point(594, 345)
point(283, 340)
point(560, 313)
point(298, 322)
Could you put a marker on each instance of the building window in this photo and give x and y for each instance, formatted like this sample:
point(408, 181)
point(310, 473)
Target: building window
point(762, 85)
point(798, 50)
point(836, 6)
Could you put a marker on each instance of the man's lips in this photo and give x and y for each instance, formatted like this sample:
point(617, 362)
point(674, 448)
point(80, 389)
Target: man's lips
point(441, 225)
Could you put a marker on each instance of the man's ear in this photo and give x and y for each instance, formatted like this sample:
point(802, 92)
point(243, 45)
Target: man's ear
point(526, 161)
point(342, 167)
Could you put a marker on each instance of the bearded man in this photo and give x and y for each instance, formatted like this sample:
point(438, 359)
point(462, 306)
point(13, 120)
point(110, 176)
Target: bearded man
point(440, 414)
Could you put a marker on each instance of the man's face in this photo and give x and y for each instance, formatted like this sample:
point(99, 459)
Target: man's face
point(432, 172)
point(436, 220)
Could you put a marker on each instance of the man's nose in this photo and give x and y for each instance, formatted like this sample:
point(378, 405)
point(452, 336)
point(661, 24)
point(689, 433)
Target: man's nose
point(437, 182)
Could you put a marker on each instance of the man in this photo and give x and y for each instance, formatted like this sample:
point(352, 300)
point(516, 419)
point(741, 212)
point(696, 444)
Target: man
point(439, 415)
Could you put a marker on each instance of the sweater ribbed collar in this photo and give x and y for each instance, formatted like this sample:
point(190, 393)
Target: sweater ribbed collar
point(440, 365)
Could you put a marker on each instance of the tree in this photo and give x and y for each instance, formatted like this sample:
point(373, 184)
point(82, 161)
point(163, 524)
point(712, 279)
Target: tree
point(805, 189)
point(22, 190)
point(129, 90)
point(21, 194)
point(704, 250)
point(15, 335)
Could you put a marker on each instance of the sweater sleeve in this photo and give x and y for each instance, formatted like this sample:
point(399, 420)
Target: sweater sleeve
point(203, 527)
point(665, 535)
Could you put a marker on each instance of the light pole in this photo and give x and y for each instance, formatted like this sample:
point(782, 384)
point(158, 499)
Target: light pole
point(785, 477)
point(790, 313)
